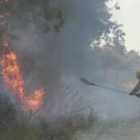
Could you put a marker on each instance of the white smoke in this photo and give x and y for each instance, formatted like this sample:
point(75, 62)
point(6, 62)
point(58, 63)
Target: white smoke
point(61, 58)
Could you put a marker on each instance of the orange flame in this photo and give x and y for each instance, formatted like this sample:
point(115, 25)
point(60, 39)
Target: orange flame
point(11, 72)
point(35, 100)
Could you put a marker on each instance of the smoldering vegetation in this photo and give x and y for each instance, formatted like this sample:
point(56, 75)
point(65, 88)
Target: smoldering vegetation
point(60, 119)
point(58, 42)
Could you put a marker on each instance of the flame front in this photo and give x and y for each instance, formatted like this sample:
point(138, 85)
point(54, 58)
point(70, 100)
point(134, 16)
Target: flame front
point(11, 72)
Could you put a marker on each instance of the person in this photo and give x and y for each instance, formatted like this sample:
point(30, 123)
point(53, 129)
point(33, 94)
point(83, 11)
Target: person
point(137, 87)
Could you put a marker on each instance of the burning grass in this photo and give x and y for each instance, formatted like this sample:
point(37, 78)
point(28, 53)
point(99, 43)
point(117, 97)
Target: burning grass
point(63, 126)
point(11, 72)
point(23, 130)
point(59, 118)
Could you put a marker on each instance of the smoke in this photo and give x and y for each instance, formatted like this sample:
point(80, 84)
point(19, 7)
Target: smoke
point(68, 50)
point(54, 60)
point(110, 65)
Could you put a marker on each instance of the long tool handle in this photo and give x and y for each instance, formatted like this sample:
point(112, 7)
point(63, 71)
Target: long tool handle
point(85, 81)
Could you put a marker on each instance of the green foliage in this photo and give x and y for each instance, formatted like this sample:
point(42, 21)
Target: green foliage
point(40, 13)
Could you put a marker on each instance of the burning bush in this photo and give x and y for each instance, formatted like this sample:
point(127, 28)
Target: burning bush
point(17, 124)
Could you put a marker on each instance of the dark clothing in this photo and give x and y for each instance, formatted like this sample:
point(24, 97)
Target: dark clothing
point(136, 89)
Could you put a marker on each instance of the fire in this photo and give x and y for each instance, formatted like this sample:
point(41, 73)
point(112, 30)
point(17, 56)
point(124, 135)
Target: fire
point(11, 72)
point(35, 100)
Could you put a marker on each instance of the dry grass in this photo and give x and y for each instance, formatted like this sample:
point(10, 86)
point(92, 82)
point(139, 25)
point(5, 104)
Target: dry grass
point(15, 125)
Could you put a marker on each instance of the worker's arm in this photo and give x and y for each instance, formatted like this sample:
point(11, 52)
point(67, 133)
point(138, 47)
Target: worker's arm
point(136, 89)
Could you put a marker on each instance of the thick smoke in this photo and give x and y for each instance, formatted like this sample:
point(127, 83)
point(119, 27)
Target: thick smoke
point(45, 57)
point(58, 59)
point(110, 66)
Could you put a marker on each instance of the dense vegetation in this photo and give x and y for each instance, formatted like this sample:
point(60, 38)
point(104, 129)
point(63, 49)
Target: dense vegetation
point(15, 124)
point(71, 56)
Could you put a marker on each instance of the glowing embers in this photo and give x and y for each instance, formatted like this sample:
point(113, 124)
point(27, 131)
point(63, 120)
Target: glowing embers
point(11, 73)
point(35, 100)
point(5, 40)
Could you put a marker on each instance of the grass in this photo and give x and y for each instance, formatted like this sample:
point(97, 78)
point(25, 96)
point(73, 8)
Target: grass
point(17, 126)
point(23, 130)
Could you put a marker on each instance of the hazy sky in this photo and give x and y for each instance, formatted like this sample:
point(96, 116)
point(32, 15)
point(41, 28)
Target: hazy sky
point(128, 15)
